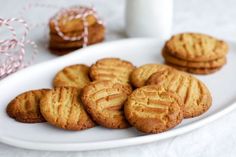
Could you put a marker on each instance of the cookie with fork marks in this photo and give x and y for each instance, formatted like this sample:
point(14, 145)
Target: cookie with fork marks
point(104, 101)
point(151, 109)
point(194, 93)
point(63, 108)
point(113, 69)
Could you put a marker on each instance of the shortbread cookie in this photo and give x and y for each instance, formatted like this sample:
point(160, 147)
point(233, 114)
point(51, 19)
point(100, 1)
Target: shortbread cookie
point(95, 35)
point(200, 71)
point(196, 47)
point(71, 25)
point(196, 96)
point(140, 75)
point(152, 109)
point(63, 108)
point(25, 107)
point(190, 64)
point(104, 101)
point(113, 69)
point(72, 76)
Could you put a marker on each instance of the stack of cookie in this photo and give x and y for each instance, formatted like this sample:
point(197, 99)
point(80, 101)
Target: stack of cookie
point(74, 28)
point(195, 53)
point(83, 97)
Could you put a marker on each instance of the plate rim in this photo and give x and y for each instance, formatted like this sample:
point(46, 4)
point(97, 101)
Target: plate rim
point(85, 146)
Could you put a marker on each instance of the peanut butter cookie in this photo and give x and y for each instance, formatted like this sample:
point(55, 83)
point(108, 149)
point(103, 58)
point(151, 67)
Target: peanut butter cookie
point(72, 76)
point(199, 71)
point(196, 47)
point(113, 69)
point(104, 101)
point(66, 25)
point(61, 52)
point(25, 107)
point(191, 64)
point(96, 34)
point(152, 109)
point(195, 95)
point(63, 108)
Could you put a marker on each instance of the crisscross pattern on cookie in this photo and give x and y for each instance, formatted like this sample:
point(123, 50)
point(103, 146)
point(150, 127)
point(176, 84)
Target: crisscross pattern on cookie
point(196, 47)
point(104, 101)
point(112, 69)
point(73, 76)
point(25, 107)
point(158, 108)
point(63, 108)
point(194, 93)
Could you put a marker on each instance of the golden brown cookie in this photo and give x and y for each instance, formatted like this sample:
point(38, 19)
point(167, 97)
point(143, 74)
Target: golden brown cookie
point(74, 45)
point(104, 101)
point(96, 34)
point(72, 76)
point(196, 47)
point(92, 29)
point(113, 69)
point(195, 95)
point(140, 75)
point(64, 51)
point(61, 52)
point(191, 64)
point(25, 107)
point(199, 71)
point(63, 108)
point(72, 25)
point(152, 109)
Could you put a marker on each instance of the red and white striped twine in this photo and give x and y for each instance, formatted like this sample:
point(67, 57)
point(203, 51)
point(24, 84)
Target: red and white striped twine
point(73, 13)
point(79, 12)
point(13, 49)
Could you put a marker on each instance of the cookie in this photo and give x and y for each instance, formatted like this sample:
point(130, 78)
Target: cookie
point(63, 108)
point(190, 64)
point(104, 101)
point(71, 25)
point(151, 109)
point(199, 71)
point(94, 36)
point(94, 29)
point(73, 45)
point(140, 75)
point(61, 52)
point(72, 76)
point(113, 69)
point(195, 95)
point(25, 107)
point(196, 47)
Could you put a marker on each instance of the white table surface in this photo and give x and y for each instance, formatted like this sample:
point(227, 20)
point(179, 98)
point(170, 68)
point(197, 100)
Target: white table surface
point(215, 17)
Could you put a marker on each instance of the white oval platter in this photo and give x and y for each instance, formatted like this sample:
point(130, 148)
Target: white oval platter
point(139, 51)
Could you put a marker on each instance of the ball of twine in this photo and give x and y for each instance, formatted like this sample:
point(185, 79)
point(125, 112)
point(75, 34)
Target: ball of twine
point(13, 48)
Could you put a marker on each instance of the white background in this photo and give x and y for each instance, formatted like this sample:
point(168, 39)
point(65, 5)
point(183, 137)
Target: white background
point(215, 17)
